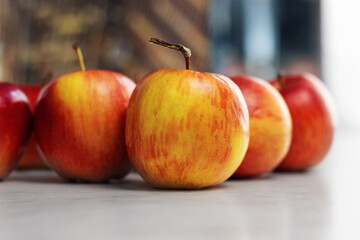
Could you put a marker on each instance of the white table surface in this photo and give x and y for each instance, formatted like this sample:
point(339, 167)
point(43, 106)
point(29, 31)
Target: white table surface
point(323, 203)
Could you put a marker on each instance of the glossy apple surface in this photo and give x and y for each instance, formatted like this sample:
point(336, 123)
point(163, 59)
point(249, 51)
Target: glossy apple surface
point(186, 129)
point(31, 158)
point(270, 127)
point(15, 127)
point(313, 115)
point(80, 125)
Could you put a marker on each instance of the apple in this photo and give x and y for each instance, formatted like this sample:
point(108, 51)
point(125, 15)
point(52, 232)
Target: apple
point(80, 124)
point(270, 127)
point(186, 129)
point(15, 127)
point(31, 158)
point(313, 115)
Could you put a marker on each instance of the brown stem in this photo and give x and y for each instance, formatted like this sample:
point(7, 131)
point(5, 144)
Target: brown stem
point(186, 52)
point(280, 79)
point(80, 57)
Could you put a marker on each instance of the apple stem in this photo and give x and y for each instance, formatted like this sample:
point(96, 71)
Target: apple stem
point(80, 57)
point(280, 79)
point(186, 52)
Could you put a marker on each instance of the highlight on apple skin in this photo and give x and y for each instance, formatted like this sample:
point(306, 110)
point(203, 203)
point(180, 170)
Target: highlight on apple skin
point(15, 127)
point(270, 127)
point(31, 158)
point(313, 115)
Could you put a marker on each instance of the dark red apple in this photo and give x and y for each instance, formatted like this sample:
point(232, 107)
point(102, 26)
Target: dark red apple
point(15, 126)
point(313, 115)
point(31, 158)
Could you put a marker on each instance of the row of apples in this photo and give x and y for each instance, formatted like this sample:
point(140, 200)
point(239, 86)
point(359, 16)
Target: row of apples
point(177, 128)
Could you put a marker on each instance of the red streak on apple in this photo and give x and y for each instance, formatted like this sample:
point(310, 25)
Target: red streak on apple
point(80, 125)
point(186, 129)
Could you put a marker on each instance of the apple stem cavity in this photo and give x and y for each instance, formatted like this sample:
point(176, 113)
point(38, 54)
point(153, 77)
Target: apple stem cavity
point(280, 79)
point(186, 52)
point(80, 57)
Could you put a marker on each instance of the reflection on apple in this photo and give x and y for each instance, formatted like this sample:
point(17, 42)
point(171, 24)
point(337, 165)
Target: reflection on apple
point(15, 127)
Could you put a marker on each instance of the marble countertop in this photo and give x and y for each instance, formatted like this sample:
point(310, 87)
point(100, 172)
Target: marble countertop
point(323, 203)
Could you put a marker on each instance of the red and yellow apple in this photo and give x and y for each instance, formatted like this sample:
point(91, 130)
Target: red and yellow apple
point(270, 127)
point(80, 124)
point(15, 127)
point(313, 115)
point(186, 129)
point(31, 158)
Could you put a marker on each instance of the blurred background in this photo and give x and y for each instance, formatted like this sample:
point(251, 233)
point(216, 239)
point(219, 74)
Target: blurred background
point(252, 37)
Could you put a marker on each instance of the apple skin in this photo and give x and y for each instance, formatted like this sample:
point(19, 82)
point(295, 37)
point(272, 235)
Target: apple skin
point(313, 115)
point(31, 159)
point(15, 127)
point(186, 129)
point(270, 127)
point(80, 125)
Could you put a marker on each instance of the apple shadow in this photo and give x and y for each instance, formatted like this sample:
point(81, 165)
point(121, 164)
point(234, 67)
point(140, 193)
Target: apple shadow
point(132, 182)
point(138, 184)
point(38, 179)
point(55, 179)
point(297, 172)
point(262, 177)
point(41, 169)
